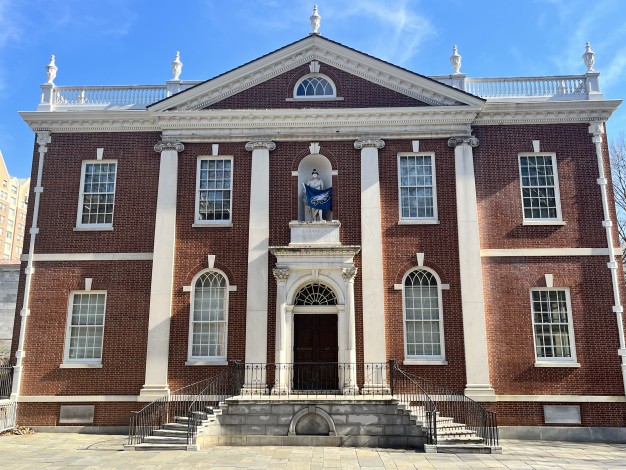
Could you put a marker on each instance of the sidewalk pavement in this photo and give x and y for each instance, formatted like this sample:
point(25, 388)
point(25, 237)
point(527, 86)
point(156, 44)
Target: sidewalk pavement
point(88, 451)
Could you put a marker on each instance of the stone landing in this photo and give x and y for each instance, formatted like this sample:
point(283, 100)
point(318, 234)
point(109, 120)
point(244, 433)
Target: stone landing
point(313, 422)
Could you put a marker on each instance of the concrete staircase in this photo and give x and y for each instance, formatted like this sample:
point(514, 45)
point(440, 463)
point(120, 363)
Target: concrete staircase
point(327, 421)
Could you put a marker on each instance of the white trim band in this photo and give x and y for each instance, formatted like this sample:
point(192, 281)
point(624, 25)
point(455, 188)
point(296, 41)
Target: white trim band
point(500, 252)
point(564, 398)
point(60, 257)
point(77, 398)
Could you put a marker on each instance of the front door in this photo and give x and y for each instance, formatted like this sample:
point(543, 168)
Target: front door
point(315, 352)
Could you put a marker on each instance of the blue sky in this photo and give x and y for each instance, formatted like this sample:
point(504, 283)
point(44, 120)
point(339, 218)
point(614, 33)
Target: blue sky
point(109, 42)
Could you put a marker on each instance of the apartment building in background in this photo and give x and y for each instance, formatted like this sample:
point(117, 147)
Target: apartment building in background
point(13, 203)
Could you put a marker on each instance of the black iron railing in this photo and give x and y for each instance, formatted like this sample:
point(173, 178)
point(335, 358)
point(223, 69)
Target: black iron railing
point(6, 379)
point(167, 409)
point(431, 400)
point(213, 391)
point(304, 379)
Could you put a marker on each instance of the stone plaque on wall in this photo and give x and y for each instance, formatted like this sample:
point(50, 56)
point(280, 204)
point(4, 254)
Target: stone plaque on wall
point(561, 414)
point(76, 414)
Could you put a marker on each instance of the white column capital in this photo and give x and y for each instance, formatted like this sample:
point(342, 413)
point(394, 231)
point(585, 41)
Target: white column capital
point(260, 145)
point(281, 275)
point(463, 140)
point(43, 139)
point(596, 128)
point(365, 142)
point(164, 146)
point(349, 274)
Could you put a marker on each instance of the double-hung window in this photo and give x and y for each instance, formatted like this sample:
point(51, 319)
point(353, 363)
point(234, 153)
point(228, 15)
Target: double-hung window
point(208, 317)
point(423, 318)
point(85, 327)
point(552, 325)
point(97, 194)
point(416, 187)
point(540, 188)
point(214, 184)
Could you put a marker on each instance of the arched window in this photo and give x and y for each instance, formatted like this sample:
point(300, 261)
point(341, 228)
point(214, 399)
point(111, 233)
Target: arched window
point(423, 322)
point(209, 316)
point(315, 86)
point(315, 294)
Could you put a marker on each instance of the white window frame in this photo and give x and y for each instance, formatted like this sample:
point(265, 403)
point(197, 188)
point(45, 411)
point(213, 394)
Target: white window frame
point(555, 361)
point(207, 360)
point(79, 213)
point(558, 220)
point(214, 223)
point(315, 97)
point(439, 359)
point(94, 362)
point(418, 220)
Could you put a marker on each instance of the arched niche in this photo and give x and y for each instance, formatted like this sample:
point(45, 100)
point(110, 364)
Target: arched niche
point(305, 170)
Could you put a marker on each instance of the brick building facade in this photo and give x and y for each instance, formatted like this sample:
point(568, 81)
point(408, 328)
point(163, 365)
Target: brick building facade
point(467, 238)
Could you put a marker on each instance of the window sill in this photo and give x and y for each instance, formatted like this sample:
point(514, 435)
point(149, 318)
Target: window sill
point(199, 362)
point(418, 222)
point(557, 364)
point(543, 222)
point(219, 225)
point(424, 362)
point(103, 228)
point(81, 365)
point(323, 98)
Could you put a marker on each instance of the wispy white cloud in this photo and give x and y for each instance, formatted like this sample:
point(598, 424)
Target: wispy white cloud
point(10, 29)
point(400, 29)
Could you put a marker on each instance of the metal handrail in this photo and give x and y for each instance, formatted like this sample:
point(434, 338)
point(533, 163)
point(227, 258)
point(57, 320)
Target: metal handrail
point(156, 414)
point(449, 403)
point(6, 379)
point(409, 393)
point(215, 390)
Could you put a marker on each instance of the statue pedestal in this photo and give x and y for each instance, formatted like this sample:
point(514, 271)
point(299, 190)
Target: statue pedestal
point(314, 233)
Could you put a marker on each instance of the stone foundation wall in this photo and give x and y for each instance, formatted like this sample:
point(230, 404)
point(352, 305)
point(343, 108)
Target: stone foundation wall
point(314, 422)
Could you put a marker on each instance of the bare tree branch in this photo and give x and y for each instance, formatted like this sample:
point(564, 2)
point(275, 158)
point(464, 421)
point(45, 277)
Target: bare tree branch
point(617, 151)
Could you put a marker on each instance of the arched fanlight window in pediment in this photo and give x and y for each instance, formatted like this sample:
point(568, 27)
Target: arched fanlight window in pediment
point(315, 86)
point(315, 294)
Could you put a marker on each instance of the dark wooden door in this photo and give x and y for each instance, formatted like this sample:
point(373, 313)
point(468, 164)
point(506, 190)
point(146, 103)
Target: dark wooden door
point(315, 352)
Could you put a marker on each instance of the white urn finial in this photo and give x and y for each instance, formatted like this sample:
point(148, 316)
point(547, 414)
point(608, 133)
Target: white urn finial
point(589, 57)
point(51, 70)
point(455, 60)
point(177, 67)
point(315, 21)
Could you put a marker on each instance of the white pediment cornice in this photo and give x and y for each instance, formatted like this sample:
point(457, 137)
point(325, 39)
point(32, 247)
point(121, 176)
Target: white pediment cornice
point(326, 52)
point(546, 112)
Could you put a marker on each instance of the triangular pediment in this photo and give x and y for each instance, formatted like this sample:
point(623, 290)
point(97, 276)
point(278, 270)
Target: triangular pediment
point(421, 89)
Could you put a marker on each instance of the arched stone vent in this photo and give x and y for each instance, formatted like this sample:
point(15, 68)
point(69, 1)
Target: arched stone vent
point(312, 421)
point(315, 294)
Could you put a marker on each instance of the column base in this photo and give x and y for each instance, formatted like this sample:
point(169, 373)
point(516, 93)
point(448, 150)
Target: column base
point(480, 392)
point(154, 392)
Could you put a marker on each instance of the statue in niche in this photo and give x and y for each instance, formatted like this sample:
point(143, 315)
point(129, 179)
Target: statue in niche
point(315, 198)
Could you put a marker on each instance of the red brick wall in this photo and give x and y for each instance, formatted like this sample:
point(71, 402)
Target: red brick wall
point(438, 242)
point(510, 333)
point(531, 414)
point(135, 193)
point(193, 244)
point(356, 93)
point(499, 195)
point(47, 414)
point(125, 328)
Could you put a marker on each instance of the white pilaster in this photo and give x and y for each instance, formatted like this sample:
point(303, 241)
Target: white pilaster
point(161, 289)
point(597, 128)
point(374, 348)
point(473, 304)
point(43, 139)
point(258, 254)
point(281, 384)
point(349, 378)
